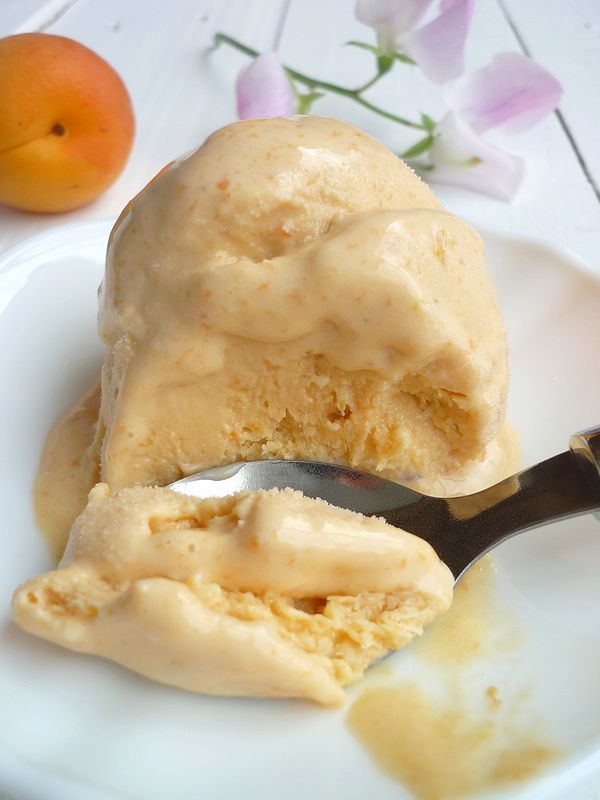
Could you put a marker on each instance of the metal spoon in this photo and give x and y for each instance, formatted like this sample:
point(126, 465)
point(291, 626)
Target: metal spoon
point(460, 529)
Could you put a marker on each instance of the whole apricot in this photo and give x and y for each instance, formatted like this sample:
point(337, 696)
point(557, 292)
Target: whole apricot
point(66, 123)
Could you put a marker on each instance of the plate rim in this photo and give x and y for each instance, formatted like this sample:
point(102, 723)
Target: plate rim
point(17, 775)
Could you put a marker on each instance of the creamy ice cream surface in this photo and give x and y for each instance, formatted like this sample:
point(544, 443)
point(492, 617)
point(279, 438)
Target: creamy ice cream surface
point(293, 290)
point(265, 594)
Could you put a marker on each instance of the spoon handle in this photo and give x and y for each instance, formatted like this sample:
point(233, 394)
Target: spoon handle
point(586, 446)
point(563, 486)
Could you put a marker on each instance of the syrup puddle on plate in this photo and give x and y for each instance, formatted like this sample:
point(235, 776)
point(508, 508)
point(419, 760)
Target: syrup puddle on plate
point(474, 627)
point(67, 471)
point(457, 741)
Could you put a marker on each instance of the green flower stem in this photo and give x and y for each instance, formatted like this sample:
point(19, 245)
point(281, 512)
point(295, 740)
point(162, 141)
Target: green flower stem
point(313, 83)
point(383, 113)
point(370, 83)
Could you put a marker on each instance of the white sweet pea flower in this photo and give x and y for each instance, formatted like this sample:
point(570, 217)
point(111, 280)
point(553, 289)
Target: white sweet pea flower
point(463, 158)
point(437, 47)
point(391, 19)
point(511, 94)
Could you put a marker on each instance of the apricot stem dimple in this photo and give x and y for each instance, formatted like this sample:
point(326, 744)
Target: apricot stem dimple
point(58, 130)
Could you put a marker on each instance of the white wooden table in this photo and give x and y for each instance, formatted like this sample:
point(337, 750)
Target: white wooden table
point(181, 93)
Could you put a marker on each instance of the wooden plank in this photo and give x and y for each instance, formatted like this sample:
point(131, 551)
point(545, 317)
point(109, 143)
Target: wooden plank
point(180, 91)
point(13, 13)
point(556, 200)
point(568, 42)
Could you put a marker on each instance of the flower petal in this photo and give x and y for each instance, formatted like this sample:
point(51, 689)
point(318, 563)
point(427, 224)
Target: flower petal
point(402, 14)
point(462, 158)
point(264, 90)
point(438, 47)
point(512, 92)
point(390, 18)
point(446, 4)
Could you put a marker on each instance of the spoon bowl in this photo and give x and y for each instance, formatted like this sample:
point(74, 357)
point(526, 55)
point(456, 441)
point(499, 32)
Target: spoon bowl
point(460, 529)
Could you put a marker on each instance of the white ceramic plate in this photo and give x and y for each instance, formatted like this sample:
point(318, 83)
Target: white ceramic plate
point(74, 727)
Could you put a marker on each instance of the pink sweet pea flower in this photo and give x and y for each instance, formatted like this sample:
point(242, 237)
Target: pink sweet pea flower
point(263, 89)
point(511, 94)
point(437, 47)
